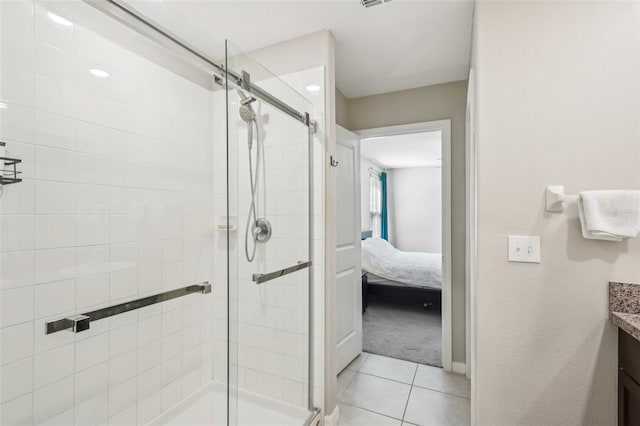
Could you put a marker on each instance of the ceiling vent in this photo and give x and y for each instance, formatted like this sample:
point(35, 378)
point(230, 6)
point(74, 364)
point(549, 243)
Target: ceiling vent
point(370, 3)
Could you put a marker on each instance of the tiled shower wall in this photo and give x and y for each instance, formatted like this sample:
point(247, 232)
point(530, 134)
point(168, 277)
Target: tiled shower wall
point(116, 203)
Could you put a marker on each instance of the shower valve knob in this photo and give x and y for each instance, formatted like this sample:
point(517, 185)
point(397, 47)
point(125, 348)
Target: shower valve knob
point(262, 230)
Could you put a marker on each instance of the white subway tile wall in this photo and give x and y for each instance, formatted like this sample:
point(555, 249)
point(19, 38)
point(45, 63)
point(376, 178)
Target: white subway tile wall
point(116, 204)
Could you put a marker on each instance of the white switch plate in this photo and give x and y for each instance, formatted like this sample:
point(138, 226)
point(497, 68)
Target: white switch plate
point(524, 249)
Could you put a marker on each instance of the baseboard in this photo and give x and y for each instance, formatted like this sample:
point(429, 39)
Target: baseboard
point(459, 367)
point(333, 418)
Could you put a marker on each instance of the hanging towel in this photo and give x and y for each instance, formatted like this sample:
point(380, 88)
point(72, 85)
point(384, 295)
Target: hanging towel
point(609, 215)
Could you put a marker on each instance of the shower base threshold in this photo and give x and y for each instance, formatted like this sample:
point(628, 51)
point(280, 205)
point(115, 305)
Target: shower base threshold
point(207, 407)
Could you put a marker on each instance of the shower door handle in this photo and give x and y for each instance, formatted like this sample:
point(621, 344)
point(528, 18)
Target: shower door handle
point(261, 278)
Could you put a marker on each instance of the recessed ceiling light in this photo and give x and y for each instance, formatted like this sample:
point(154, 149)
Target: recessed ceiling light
point(99, 73)
point(59, 20)
point(312, 88)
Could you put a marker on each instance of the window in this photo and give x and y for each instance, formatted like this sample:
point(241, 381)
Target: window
point(375, 204)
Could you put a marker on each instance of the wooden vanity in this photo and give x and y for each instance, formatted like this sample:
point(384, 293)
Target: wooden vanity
point(624, 304)
point(628, 380)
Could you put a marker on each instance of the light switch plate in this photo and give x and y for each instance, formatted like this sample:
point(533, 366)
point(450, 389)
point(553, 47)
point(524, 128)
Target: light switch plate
point(524, 249)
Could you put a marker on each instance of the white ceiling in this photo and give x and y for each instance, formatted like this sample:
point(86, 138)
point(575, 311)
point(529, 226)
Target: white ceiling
point(397, 45)
point(401, 151)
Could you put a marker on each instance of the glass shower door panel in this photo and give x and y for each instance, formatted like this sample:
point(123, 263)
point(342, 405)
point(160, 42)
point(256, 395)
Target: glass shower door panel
point(270, 178)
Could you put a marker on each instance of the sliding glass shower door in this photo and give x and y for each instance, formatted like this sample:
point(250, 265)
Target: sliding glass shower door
point(269, 245)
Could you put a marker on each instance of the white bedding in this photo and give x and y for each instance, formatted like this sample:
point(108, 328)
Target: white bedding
point(412, 268)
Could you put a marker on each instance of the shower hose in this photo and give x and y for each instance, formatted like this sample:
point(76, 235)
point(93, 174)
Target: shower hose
point(254, 189)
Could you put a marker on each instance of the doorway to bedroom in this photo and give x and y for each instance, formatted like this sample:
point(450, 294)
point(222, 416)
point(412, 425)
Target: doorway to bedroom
point(393, 299)
point(390, 183)
point(401, 247)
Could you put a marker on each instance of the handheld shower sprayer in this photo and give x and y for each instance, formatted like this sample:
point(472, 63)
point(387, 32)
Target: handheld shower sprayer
point(246, 110)
point(261, 230)
point(248, 115)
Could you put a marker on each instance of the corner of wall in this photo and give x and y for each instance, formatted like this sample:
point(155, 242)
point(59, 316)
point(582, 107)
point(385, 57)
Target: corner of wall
point(342, 109)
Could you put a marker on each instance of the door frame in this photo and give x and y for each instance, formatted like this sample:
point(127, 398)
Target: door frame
point(443, 126)
point(471, 251)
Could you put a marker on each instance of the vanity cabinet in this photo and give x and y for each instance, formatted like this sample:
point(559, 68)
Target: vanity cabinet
point(628, 380)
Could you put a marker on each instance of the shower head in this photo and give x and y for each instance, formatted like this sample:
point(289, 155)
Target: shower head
point(246, 110)
point(247, 114)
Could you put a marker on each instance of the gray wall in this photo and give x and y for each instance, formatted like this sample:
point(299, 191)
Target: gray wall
point(415, 209)
point(342, 109)
point(439, 102)
point(556, 104)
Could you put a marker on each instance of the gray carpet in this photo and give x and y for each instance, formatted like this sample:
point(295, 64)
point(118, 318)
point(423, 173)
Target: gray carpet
point(403, 332)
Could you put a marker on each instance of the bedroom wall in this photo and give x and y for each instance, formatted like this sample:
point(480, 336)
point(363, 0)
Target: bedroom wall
point(563, 109)
point(438, 102)
point(415, 209)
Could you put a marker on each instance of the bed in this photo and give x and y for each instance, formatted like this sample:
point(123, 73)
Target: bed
point(403, 277)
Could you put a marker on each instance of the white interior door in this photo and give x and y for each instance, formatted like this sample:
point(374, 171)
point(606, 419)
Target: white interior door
point(348, 261)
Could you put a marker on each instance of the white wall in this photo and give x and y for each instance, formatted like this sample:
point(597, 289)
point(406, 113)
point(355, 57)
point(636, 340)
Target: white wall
point(557, 103)
point(415, 209)
point(115, 205)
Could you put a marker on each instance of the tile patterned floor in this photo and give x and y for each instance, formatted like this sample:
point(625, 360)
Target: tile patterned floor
point(379, 391)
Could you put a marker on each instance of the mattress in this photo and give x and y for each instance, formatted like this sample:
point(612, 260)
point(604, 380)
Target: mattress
point(373, 280)
point(414, 269)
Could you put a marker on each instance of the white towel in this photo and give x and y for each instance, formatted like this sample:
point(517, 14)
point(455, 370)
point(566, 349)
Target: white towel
point(609, 215)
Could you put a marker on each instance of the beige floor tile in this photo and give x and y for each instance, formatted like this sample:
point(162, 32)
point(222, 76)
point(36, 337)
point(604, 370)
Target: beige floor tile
point(357, 362)
point(376, 394)
point(354, 416)
point(389, 368)
point(437, 379)
point(344, 378)
point(431, 408)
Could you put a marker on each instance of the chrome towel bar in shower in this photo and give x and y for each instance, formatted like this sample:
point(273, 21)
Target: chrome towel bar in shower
point(261, 278)
point(81, 322)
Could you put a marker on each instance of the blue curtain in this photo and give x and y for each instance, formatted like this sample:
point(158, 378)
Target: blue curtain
point(384, 227)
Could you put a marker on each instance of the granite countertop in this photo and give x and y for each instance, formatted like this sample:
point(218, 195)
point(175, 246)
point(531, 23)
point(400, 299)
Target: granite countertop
point(624, 305)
